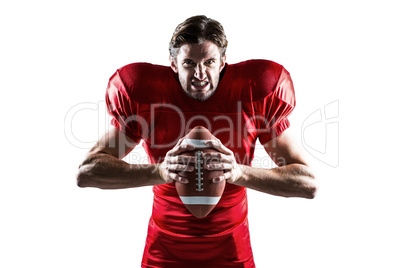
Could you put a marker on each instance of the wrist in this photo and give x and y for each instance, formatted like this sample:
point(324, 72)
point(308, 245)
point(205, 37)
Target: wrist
point(162, 173)
point(239, 175)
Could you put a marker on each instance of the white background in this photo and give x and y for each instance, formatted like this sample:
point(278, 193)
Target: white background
point(59, 54)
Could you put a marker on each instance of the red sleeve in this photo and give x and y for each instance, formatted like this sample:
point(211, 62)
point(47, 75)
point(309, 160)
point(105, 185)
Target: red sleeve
point(122, 108)
point(275, 108)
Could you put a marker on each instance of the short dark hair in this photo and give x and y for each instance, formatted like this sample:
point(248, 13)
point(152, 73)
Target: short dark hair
point(196, 30)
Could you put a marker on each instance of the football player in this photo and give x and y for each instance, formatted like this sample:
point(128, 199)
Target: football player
point(239, 104)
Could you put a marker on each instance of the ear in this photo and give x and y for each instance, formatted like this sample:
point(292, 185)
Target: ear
point(223, 62)
point(173, 64)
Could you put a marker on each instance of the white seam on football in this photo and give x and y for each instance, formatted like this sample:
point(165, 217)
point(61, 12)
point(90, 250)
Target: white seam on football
point(196, 143)
point(198, 167)
point(200, 200)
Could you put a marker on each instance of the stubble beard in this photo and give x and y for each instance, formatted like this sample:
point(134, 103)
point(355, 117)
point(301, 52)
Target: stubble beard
point(199, 96)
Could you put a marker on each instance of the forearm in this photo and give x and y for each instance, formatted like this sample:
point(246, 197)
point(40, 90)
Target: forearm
point(294, 180)
point(108, 172)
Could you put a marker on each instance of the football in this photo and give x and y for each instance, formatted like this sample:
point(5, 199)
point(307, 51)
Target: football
point(200, 195)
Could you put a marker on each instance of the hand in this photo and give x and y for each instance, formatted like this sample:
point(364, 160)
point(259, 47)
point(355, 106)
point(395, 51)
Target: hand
point(175, 163)
point(223, 160)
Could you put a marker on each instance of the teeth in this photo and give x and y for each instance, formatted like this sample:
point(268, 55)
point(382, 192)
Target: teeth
point(200, 84)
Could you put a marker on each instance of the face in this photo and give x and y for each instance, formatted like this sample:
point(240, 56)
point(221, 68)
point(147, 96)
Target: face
point(198, 67)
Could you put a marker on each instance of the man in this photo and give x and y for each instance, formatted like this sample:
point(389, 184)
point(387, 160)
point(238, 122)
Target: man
point(239, 104)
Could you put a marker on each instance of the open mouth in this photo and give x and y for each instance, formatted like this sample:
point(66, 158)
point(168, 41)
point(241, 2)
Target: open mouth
point(200, 84)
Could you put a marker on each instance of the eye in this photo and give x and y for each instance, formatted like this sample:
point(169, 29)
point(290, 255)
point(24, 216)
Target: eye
point(188, 63)
point(210, 62)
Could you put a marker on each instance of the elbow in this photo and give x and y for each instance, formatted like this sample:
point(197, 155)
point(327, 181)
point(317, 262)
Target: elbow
point(312, 192)
point(312, 187)
point(308, 183)
point(86, 171)
point(83, 176)
point(81, 179)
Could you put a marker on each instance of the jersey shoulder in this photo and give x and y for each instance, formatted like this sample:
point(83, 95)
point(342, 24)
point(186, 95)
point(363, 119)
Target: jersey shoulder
point(146, 82)
point(259, 77)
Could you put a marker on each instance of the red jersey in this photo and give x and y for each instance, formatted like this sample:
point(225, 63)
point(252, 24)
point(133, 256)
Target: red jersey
point(252, 100)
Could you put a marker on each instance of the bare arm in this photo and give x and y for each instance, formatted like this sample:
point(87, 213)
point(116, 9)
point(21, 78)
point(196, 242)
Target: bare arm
point(103, 167)
point(292, 178)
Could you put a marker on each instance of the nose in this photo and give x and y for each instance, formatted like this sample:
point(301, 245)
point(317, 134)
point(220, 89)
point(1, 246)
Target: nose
point(200, 73)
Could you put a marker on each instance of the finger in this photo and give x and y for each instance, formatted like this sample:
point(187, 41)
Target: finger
point(178, 149)
point(223, 177)
point(181, 159)
point(217, 157)
point(219, 166)
point(217, 144)
point(179, 141)
point(176, 177)
point(179, 167)
point(177, 145)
